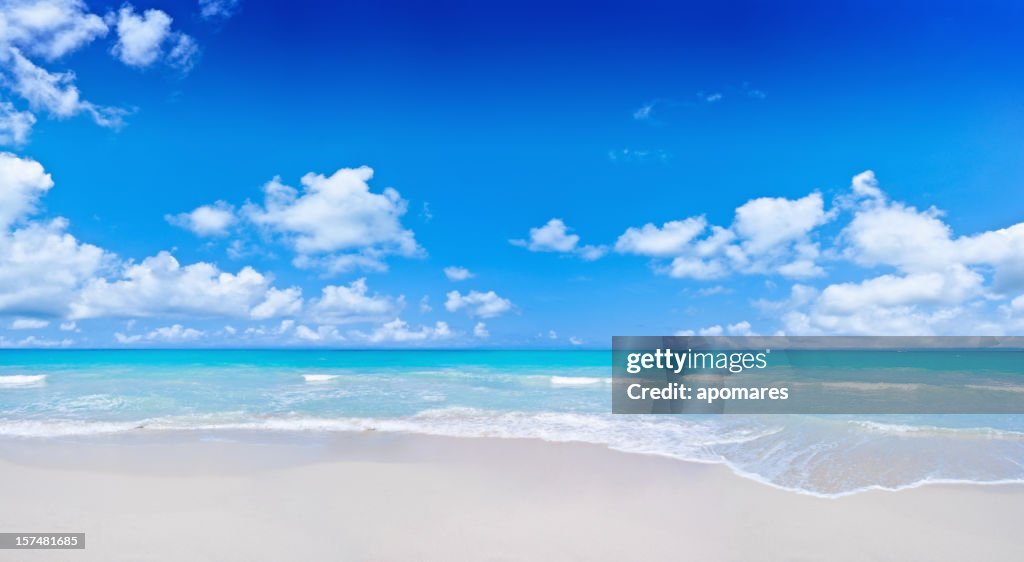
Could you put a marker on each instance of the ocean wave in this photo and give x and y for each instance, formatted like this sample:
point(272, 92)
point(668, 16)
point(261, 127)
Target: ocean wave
point(92, 403)
point(579, 381)
point(998, 387)
point(936, 431)
point(822, 458)
point(21, 380)
point(872, 386)
point(319, 378)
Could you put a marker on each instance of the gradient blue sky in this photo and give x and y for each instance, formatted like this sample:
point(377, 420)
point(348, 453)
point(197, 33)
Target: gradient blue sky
point(492, 118)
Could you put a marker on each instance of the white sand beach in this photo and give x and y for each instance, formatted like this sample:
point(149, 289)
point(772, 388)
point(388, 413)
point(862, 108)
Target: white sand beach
point(374, 496)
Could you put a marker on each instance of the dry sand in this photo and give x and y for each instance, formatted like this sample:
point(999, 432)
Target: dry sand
point(374, 496)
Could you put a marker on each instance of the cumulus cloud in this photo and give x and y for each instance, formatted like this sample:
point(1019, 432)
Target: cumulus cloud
point(167, 334)
point(340, 304)
point(321, 335)
point(217, 9)
point(29, 324)
point(938, 283)
point(53, 92)
point(554, 236)
point(160, 286)
point(480, 331)
point(278, 303)
point(458, 273)
point(41, 265)
point(671, 239)
point(48, 28)
point(336, 221)
point(34, 342)
point(15, 125)
point(206, 220)
point(23, 182)
point(769, 235)
point(738, 329)
point(144, 38)
point(36, 32)
point(475, 303)
point(398, 331)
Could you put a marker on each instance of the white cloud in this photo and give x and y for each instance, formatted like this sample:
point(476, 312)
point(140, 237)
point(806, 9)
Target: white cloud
point(714, 290)
point(741, 328)
point(672, 239)
point(552, 335)
point(160, 286)
point(29, 324)
point(175, 333)
point(864, 184)
point(483, 305)
point(455, 273)
point(54, 93)
point(769, 235)
point(323, 334)
point(480, 330)
point(425, 304)
point(337, 216)
point(592, 253)
point(768, 223)
point(126, 339)
point(48, 28)
point(217, 9)
point(695, 268)
point(183, 53)
point(644, 112)
point(638, 155)
point(339, 304)
point(167, 334)
point(343, 263)
point(942, 284)
point(35, 342)
point(207, 220)
point(68, 327)
point(398, 331)
point(15, 126)
point(554, 236)
point(576, 341)
point(143, 37)
point(42, 267)
point(279, 302)
point(23, 182)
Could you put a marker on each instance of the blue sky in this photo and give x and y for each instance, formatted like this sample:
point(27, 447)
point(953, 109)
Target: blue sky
point(490, 121)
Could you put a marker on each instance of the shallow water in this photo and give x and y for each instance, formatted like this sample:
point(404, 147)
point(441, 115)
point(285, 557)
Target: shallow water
point(550, 395)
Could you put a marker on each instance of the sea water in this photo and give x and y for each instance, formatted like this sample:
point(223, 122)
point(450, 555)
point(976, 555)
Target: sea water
point(550, 395)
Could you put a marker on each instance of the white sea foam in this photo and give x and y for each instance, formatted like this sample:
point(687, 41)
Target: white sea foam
point(872, 386)
point(935, 431)
point(803, 455)
point(998, 387)
point(579, 381)
point(21, 380)
point(319, 378)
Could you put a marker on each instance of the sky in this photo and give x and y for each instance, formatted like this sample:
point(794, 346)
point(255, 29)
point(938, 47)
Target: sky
point(232, 173)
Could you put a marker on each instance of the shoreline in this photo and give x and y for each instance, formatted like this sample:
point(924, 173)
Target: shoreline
point(382, 495)
point(144, 434)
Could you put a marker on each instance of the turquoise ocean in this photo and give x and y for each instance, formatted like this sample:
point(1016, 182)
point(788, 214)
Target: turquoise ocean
point(558, 396)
